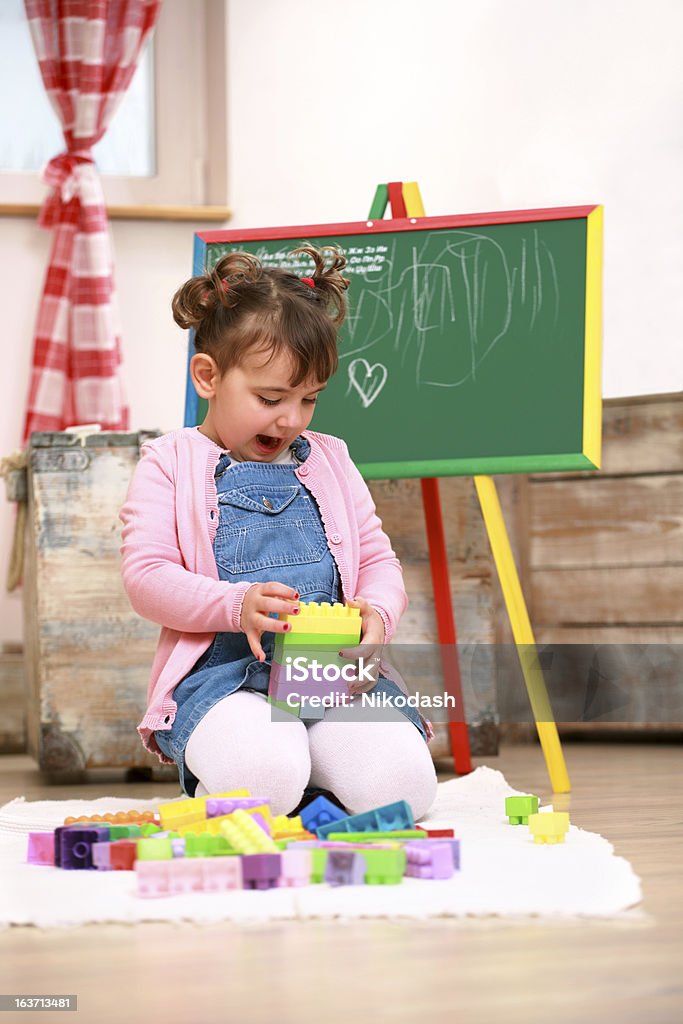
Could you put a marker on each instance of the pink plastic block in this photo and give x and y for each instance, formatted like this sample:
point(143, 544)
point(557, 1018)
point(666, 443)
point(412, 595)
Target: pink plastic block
point(296, 867)
point(221, 873)
point(100, 856)
point(426, 859)
point(41, 848)
point(152, 876)
point(185, 875)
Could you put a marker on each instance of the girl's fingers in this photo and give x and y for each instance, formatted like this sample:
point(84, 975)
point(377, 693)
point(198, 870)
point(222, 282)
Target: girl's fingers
point(254, 641)
point(278, 604)
point(279, 590)
point(268, 625)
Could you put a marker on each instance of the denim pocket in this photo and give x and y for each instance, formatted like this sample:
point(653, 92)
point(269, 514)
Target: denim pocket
point(266, 527)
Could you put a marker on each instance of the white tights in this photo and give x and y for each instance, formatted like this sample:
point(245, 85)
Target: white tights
point(240, 744)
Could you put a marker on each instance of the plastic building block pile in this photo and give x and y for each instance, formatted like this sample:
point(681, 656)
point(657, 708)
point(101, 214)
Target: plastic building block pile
point(232, 841)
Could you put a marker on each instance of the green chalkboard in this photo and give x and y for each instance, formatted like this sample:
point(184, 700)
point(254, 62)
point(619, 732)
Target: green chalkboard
point(471, 344)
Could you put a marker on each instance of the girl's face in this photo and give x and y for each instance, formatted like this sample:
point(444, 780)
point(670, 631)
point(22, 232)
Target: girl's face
point(254, 412)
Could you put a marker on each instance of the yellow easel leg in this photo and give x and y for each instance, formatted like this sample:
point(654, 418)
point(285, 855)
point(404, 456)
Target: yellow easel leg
point(522, 632)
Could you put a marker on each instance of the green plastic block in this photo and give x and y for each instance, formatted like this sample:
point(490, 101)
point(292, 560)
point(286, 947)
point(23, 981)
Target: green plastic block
point(154, 849)
point(376, 837)
point(206, 845)
point(149, 828)
point(326, 642)
point(518, 808)
point(318, 862)
point(284, 706)
point(384, 867)
point(126, 831)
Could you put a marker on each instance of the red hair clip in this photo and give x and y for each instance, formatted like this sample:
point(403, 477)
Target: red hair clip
point(309, 281)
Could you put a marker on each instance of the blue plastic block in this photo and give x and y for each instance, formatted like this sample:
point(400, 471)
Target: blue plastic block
point(382, 819)
point(320, 811)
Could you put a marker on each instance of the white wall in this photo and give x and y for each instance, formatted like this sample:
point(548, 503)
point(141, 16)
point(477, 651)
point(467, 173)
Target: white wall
point(489, 105)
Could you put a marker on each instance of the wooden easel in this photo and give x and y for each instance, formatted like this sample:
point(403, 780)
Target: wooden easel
point(405, 201)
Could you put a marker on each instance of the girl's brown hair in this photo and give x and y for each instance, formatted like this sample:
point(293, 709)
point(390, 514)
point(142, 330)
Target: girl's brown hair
point(243, 305)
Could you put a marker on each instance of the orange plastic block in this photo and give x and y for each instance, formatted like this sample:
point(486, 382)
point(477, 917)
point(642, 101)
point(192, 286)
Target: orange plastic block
point(119, 818)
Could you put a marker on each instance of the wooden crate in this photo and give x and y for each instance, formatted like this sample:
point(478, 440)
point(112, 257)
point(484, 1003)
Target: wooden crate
point(88, 655)
point(601, 561)
point(12, 700)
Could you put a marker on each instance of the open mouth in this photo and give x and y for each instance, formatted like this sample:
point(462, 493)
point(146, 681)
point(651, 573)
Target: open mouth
point(268, 443)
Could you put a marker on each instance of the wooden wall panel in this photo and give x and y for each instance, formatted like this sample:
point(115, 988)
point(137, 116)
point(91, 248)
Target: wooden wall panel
point(601, 563)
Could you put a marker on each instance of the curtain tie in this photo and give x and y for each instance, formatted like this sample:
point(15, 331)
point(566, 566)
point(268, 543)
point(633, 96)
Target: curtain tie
point(61, 174)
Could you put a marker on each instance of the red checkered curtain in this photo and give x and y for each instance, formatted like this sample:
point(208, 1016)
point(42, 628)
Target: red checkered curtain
point(87, 51)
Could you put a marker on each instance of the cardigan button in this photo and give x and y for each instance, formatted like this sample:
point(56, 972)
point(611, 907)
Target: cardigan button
point(336, 538)
point(303, 471)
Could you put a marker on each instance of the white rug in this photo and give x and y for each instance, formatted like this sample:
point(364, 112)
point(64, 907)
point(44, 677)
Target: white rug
point(503, 873)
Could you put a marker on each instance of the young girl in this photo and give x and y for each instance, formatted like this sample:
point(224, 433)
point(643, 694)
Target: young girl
point(230, 523)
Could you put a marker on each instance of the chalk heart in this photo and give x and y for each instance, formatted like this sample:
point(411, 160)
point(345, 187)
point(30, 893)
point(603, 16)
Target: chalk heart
point(367, 380)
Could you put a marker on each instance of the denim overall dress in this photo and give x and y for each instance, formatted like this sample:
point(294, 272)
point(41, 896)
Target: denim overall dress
point(269, 528)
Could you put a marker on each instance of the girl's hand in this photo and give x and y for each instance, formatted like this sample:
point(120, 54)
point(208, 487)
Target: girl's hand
point(259, 600)
point(371, 644)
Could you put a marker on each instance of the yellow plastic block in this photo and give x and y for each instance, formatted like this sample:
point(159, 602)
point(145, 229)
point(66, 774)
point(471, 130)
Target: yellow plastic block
point(323, 618)
point(212, 826)
point(550, 827)
point(182, 812)
point(282, 823)
point(242, 832)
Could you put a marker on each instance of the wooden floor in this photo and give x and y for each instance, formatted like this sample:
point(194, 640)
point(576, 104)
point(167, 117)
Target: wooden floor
point(442, 970)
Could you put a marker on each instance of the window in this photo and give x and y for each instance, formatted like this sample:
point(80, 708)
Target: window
point(158, 157)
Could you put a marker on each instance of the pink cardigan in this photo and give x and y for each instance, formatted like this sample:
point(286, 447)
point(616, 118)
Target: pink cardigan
point(169, 571)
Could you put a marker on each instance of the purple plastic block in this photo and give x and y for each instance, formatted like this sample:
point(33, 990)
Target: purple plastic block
point(454, 845)
point(344, 867)
point(220, 873)
point(261, 870)
point(152, 876)
point(217, 806)
point(76, 847)
point(178, 846)
point(101, 856)
point(260, 820)
point(427, 860)
point(41, 848)
point(58, 844)
point(296, 867)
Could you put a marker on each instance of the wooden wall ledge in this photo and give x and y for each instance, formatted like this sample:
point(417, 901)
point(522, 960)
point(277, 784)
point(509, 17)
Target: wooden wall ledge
point(217, 214)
